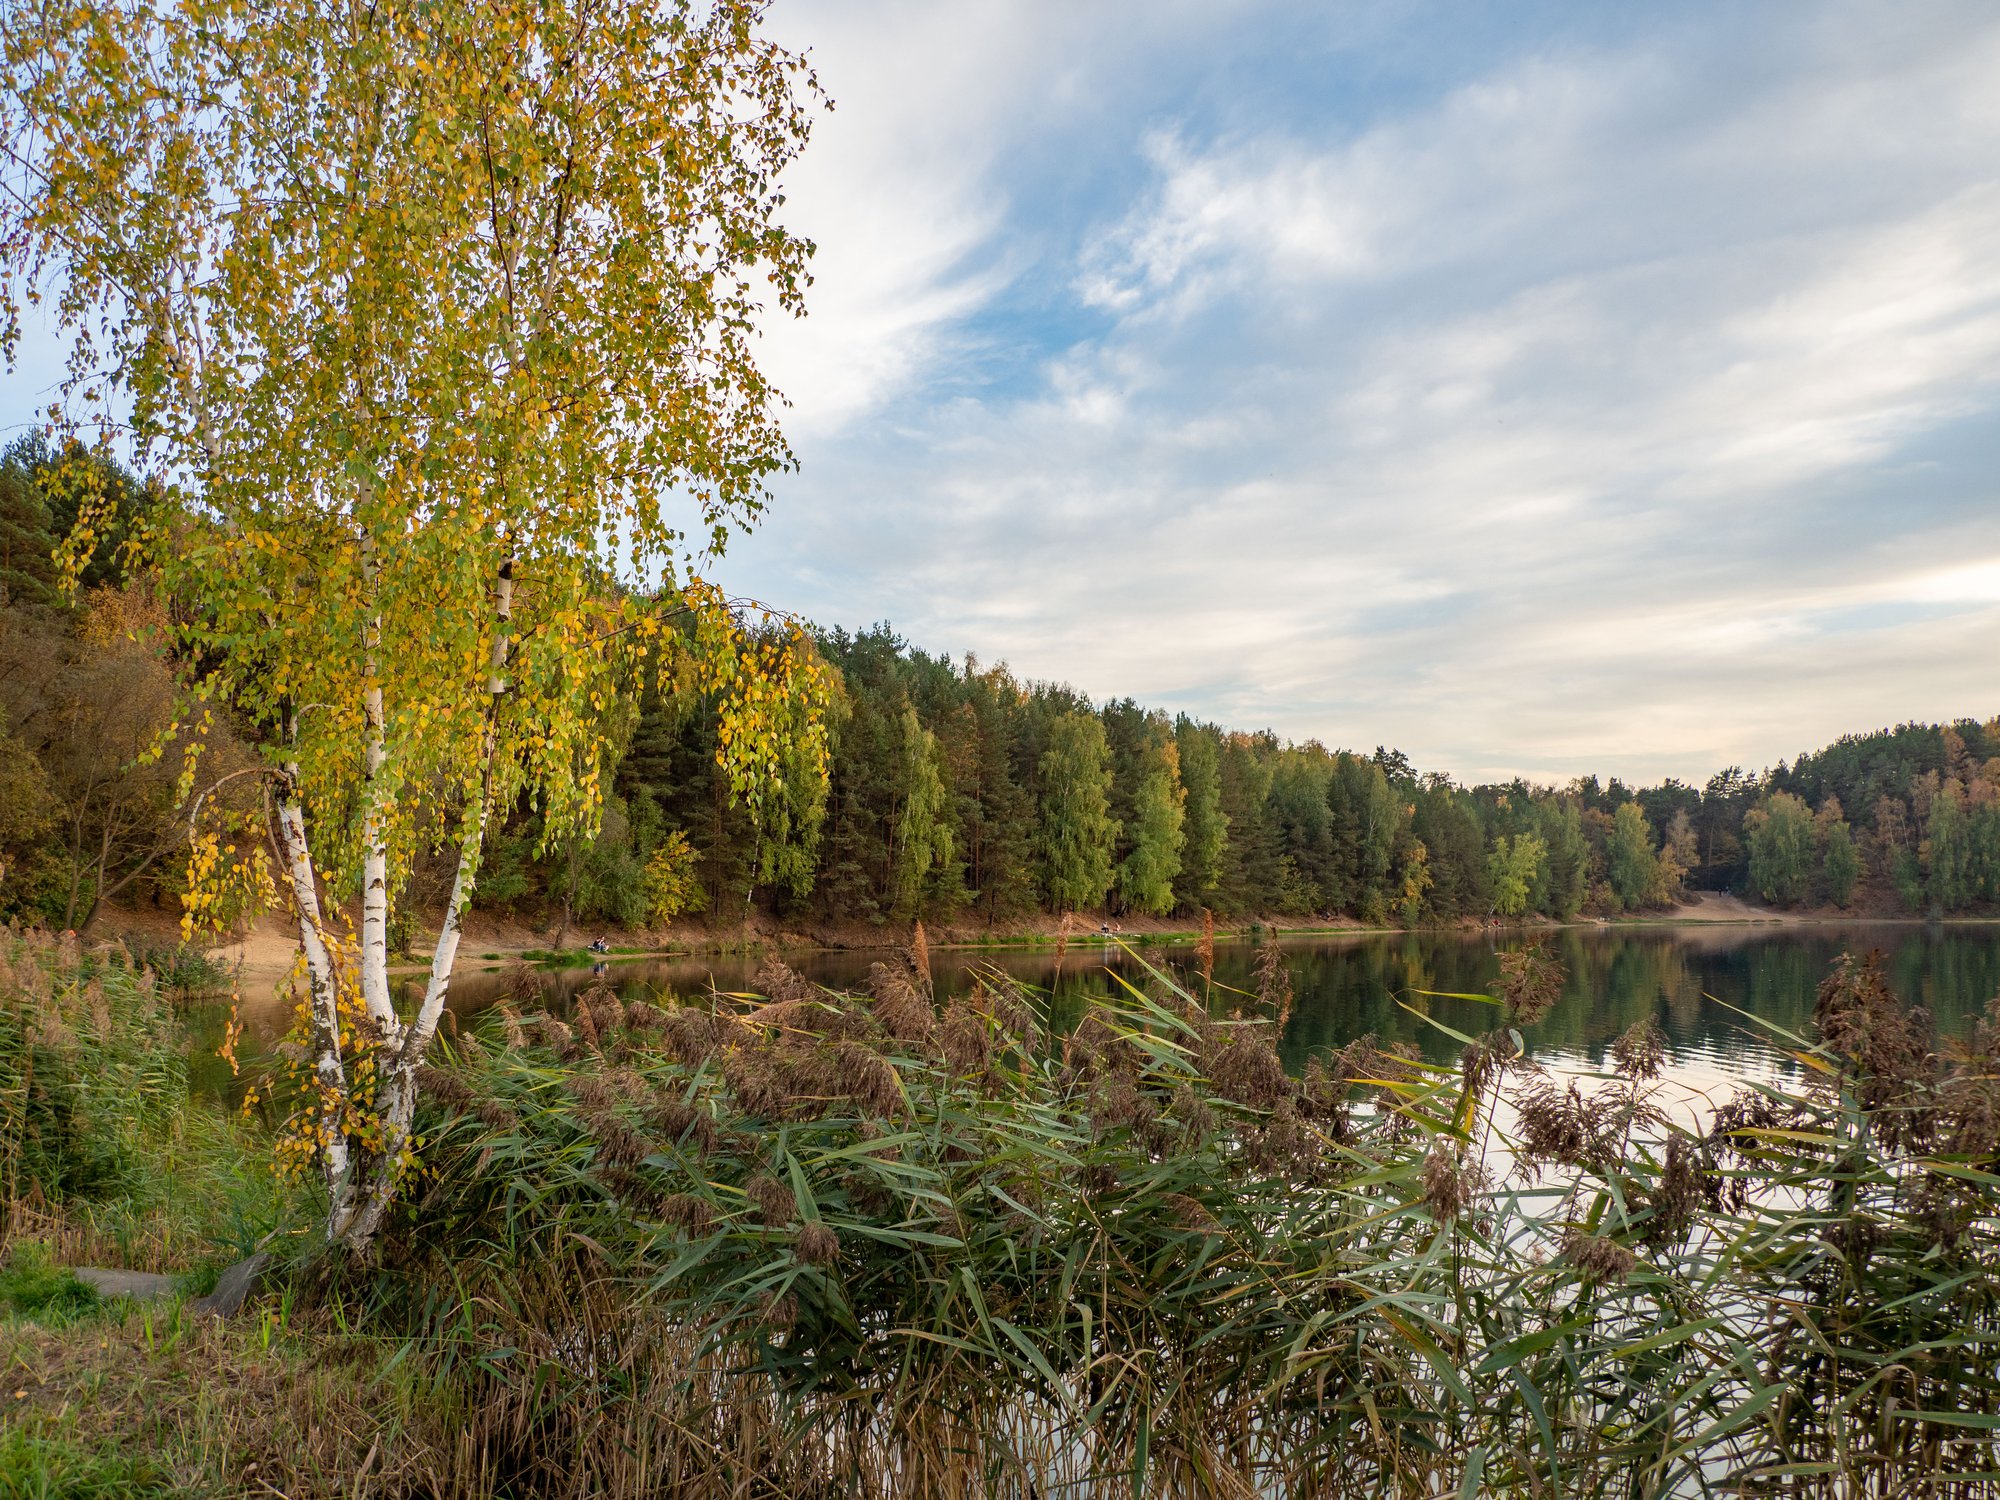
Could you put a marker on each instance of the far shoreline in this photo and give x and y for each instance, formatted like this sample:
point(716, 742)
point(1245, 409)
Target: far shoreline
point(265, 954)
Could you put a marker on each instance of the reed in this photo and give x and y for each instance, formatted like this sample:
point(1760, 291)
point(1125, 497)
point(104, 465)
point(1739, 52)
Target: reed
point(874, 1246)
point(104, 1156)
point(819, 1249)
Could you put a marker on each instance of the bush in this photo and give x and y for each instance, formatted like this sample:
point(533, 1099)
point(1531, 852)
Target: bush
point(183, 970)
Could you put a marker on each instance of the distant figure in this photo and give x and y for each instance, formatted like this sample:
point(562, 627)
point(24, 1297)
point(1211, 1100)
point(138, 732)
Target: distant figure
point(598, 945)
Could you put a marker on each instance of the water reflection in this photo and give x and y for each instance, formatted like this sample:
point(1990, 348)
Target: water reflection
point(1696, 980)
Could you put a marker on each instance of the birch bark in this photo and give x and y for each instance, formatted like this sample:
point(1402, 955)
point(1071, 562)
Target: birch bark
point(361, 1207)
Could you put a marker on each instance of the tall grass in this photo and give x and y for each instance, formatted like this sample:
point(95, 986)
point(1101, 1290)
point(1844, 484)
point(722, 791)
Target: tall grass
point(844, 1245)
point(103, 1154)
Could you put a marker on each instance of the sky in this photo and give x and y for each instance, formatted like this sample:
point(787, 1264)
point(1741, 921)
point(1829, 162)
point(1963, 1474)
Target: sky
point(1540, 389)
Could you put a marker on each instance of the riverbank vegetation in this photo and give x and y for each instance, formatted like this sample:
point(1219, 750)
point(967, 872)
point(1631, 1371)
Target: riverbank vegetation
point(982, 1249)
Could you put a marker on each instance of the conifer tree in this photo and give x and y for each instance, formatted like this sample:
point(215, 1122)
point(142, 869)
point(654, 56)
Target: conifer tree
point(27, 537)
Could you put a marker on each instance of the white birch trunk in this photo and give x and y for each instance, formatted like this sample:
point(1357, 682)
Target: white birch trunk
point(375, 837)
point(359, 1213)
point(322, 988)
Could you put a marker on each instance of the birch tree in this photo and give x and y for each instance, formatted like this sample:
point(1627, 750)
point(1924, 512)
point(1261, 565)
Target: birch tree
point(436, 321)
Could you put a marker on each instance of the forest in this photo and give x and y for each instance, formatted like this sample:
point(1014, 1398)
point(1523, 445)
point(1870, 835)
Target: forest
point(956, 792)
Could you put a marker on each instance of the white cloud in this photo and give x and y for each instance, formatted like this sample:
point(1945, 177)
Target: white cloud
point(1572, 417)
point(905, 187)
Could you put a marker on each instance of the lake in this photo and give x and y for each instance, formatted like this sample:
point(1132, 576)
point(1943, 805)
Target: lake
point(1696, 979)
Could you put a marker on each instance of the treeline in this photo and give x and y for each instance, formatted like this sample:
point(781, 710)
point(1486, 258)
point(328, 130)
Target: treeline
point(956, 791)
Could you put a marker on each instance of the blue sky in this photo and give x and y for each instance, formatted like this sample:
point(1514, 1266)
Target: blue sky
point(1537, 388)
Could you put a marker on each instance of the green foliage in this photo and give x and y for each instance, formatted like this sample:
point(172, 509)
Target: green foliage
point(1077, 830)
point(1560, 822)
point(90, 1077)
point(477, 308)
point(98, 1124)
point(43, 1468)
point(601, 877)
point(864, 1229)
point(1156, 834)
point(27, 536)
point(183, 970)
point(1631, 863)
point(1779, 832)
point(1948, 854)
point(1840, 863)
point(1414, 867)
point(1514, 869)
point(1205, 825)
point(1679, 854)
point(671, 885)
point(44, 489)
point(922, 838)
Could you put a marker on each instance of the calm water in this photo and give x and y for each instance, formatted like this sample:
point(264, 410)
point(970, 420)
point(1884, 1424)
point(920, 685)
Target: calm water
point(1348, 986)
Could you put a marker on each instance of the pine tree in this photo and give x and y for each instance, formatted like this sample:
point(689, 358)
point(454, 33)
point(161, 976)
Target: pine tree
point(1000, 821)
point(27, 540)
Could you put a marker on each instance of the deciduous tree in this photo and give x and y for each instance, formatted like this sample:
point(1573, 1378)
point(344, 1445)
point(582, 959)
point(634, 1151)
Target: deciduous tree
point(1078, 832)
point(1146, 874)
point(1512, 870)
point(426, 312)
point(1630, 864)
point(1779, 832)
point(920, 838)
